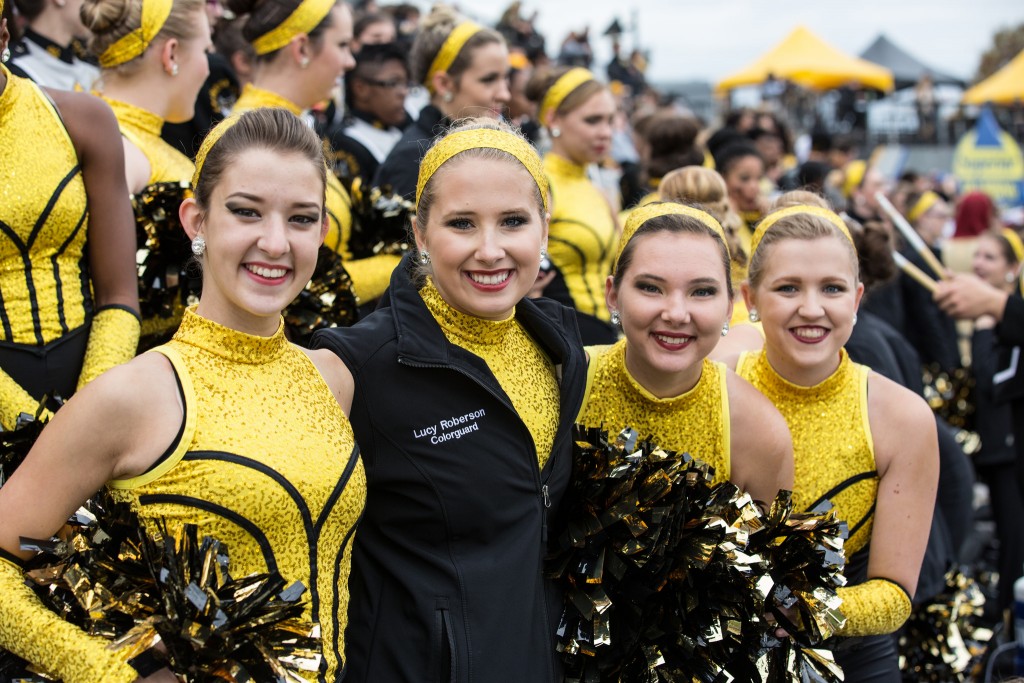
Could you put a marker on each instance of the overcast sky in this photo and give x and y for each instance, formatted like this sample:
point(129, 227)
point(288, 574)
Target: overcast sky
point(709, 39)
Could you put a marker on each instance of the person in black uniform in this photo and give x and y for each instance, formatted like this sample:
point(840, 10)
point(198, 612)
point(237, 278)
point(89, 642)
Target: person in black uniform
point(464, 478)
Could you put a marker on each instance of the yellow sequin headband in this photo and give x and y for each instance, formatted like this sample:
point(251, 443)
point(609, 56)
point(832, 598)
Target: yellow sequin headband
point(925, 202)
point(208, 142)
point(640, 215)
point(855, 171)
point(560, 89)
point(1016, 244)
point(463, 140)
point(776, 216)
point(133, 44)
point(303, 19)
point(450, 49)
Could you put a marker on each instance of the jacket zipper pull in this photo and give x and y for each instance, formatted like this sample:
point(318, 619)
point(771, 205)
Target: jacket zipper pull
point(547, 498)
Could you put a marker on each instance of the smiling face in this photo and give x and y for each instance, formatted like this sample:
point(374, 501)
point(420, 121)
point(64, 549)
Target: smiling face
point(484, 234)
point(806, 295)
point(263, 228)
point(585, 133)
point(482, 89)
point(673, 300)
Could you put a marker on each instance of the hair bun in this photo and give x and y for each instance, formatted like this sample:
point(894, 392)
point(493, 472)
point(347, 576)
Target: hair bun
point(105, 16)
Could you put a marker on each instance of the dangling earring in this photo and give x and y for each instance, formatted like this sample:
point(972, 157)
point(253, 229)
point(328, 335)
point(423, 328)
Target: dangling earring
point(5, 55)
point(424, 257)
point(616, 319)
point(198, 245)
point(754, 316)
point(725, 329)
point(556, 132)
point(448, 97)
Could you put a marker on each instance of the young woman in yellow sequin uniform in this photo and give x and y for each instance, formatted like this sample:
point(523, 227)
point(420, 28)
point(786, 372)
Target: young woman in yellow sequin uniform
point(577, 111)
point(153, 63)
point(67, 313)
point(228, 426)
point(463, 394)
point(672, 294)
point(302, 48)
point(859, 440)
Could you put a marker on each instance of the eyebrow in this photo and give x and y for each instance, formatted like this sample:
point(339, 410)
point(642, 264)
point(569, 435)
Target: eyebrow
point(258, 199)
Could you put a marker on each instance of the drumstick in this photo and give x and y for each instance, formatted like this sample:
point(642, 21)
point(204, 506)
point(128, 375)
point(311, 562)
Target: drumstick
point(913, 271)
point(911, 236)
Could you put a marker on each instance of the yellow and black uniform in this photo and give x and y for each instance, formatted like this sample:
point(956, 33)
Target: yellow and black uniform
point(521, 368)
point(275, 476)
point(45, 299)
point(833, 456)
point(581, 246)
point(370, 276)
point(696, 421)
point(142, 128)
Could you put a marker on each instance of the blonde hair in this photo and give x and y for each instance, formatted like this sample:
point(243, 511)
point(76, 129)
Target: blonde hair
point(797, 226)
point(706, 188)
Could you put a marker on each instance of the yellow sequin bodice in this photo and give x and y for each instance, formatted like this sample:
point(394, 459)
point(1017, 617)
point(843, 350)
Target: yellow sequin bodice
point(266, 463)
point(582, 237)
point(696, 422)
point(142, 128)
point(521, 368)
point(43, 220)
point(370, 276)
point(833, 451)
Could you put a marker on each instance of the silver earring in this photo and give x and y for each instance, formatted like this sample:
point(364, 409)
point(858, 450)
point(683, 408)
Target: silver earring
point(304, 62)
point(725, 329)
point(556, 132)
point(1010, 277)
point(448, 97)
point(543, 254)
point(174, 69)
point(198, 245)
point(424, 257)
point(616, 319)
point(854, 318)
point(5, 55)
point(754, 315)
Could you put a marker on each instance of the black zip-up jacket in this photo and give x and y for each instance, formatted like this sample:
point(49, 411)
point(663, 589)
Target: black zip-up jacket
point(447, 563)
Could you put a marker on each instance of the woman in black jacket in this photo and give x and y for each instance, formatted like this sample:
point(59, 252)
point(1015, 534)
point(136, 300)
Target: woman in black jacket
point(462, 394)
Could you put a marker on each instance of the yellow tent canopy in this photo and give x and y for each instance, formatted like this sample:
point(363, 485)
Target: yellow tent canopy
point(807, 60)
point(1005, 86)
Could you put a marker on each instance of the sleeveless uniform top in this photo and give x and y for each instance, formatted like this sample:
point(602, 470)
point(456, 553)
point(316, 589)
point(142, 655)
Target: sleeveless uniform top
point(265, 461)
point(370, 276)
point(582, 236)
point(142, 128)
point(44, 285)
point(696, 422)
point(524, 372)
point(833, 451)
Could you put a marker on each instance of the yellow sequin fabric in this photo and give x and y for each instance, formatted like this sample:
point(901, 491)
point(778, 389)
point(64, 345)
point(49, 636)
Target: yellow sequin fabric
point(696, 422)
point(875, 607)
point(560, 89)
point(142, 128)
point(266, 462)
point(450, 49)
point(833, 451)
point(303, 19)
point(132, 45)
point(775, 216)
point(582, 236)
point(521, 368)
point(43, 220)
point(641, 214)
point(370, 276)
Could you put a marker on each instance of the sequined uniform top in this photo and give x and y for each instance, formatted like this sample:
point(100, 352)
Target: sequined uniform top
point(582, 238)
point(265, 461)
point(833, 450)
point(521, 368)
point(696, 421)
point(370, 276)
point(142, 128)
point(44, 284)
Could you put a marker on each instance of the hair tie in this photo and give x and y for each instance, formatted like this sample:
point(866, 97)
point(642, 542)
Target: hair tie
point(303, 19)
point(463, 140)
point(134, 43)
point(924, 202)
point(560, 89)
point(774, 217)
point(450, 49)
point(640, 215)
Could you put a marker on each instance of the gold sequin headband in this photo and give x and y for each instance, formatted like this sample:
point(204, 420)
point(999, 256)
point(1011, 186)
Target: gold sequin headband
point(450, 49)
point(1016, 244)
point(855, 171)
point(133, 44)
point(303, 19)
point(776, 216)
point(463, 140)
point(560, 89)
point(640, 215)
point(925, 202)
point(208, 142)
